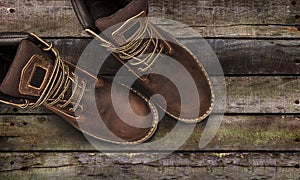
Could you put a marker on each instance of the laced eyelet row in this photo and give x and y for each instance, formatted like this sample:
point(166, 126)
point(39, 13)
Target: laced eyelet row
point(135, 50)
point(60, 81)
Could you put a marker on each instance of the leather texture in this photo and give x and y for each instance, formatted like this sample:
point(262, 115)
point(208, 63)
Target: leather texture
point(156, 84)
point(83, 15)
point(88, 11)
point(26, 76)
point(132, 9)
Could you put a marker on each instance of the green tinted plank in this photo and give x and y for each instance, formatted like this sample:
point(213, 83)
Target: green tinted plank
point(175, 166)
point(268, 132)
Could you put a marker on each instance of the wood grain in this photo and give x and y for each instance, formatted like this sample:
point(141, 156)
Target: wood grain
point(237, 57)
point(226, 13)
point(175, 166)
point(233, 18)
point(263, 94)
point(255, 94)
point(245, 31)
point(258, 57)
point(266, 132)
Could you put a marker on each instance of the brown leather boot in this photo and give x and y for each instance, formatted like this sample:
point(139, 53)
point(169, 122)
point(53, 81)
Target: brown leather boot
point(136, 42)
point(33, 74)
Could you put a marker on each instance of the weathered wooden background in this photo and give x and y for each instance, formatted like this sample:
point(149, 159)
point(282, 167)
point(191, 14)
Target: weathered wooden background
point(257, 43)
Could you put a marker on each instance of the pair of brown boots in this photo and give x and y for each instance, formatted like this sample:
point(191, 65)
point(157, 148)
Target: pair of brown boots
point(33, 74)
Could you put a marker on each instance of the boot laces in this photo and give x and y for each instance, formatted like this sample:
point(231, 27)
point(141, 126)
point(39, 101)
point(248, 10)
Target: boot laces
point(59, 83)
point(135, 51)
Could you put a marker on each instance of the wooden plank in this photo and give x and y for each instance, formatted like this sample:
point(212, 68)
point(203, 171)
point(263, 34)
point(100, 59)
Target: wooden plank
point(238, 31)
point(237, 57)
point(226, 13)
point(254, 57)
point(251, 133)
point(49, 129)
point(127, 166)
point(39, 130)
point(233, 18)
point(257, 94)
point(261, 94)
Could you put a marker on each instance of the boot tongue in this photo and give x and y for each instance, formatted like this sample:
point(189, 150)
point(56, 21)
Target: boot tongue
point(132, 9)
point(28, 72)
point(110, 25)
